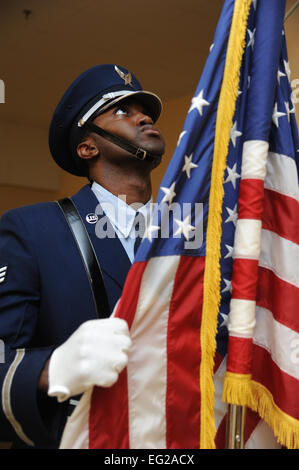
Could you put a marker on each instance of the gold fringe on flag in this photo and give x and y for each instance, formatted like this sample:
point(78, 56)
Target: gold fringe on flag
point(241, 390)
point(284, 426)
point(237, 389)
point(211, 294)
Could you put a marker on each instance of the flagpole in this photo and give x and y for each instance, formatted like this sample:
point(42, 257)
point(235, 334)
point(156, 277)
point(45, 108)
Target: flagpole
point(235, 426)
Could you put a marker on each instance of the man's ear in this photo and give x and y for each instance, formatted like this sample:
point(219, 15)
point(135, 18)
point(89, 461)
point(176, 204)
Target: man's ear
point(88, 149)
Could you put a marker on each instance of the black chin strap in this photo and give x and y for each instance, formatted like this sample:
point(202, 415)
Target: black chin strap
point(124, 144)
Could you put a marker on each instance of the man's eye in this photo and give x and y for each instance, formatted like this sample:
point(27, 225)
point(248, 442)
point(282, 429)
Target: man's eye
point(121, 110)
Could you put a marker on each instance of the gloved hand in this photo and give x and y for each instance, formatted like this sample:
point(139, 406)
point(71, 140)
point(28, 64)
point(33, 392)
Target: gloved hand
point(93, 355)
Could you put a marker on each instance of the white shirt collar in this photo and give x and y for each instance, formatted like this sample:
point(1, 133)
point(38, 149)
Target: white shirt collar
point(120, 214)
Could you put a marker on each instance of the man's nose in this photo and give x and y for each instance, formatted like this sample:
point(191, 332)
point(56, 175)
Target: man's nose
point(143, 118)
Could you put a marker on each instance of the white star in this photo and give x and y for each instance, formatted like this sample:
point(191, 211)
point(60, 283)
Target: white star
point(254, 3)
point(198, 102)
point(228, 286)
point(230, 251)
point(169, 194)
point(233, 215)
point(279, 75)
point(232, 175)
point(184, 227)
point(211, 46)
point(225, 320)
point(150, 229)
point(251, 38)
point(287, 69)
point(288, 110)
point(180, 137)
point(234, 133)
point(276, 115)
point(189, 165)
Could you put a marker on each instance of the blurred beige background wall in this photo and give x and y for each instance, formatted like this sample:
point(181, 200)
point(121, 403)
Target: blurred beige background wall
point(46, 44)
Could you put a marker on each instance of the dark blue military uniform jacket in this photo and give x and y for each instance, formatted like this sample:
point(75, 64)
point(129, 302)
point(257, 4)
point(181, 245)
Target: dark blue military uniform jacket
point(44, 296)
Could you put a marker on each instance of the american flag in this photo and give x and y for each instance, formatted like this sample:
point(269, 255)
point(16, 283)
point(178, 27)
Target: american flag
point(263, 321)
point(169, 396)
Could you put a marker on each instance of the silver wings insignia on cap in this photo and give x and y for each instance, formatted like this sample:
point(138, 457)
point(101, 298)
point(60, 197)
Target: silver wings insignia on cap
point(126, 77)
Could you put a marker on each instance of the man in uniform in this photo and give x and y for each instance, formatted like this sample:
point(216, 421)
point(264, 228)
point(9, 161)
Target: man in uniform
point(57, 343)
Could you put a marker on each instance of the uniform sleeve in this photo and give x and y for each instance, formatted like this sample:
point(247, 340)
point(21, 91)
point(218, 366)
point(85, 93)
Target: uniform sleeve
point(25, 414)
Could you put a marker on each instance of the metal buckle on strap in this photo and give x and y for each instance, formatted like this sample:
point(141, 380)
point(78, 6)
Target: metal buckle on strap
point(140, 153)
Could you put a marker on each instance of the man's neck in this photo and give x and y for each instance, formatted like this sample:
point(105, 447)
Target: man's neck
point(136, 187)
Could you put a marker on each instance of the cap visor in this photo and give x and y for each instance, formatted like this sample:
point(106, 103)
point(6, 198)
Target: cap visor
point(152, 103)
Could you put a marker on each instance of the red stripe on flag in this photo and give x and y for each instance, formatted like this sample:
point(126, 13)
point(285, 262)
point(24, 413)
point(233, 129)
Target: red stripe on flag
point(279, 215)
point(251, 421)
point(250, 200)
point(244, 279)
point(128, 303)
point(282, 386)
point(220, 437)
point(109, 424)
point(239, 355)
point(280, 297)
point(218, 359)
point(184, 356)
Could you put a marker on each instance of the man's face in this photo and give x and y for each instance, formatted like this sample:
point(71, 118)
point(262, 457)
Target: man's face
point(130, 120)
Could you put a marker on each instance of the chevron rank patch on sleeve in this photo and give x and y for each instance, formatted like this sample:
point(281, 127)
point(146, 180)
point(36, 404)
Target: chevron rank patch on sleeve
point(3, 272)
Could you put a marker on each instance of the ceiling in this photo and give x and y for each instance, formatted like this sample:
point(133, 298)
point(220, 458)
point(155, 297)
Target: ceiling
point(164, 42)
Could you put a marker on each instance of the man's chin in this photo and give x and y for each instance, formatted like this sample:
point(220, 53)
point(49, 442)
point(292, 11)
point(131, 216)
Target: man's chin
point(154, 160)
point(154, 145)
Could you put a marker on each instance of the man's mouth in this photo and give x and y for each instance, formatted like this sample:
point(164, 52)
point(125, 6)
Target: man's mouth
point(150, 130)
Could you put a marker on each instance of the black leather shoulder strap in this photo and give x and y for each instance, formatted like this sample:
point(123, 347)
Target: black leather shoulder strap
point(88, 256)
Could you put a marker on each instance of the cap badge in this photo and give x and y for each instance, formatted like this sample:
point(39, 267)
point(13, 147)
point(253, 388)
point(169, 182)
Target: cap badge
point(126, 77)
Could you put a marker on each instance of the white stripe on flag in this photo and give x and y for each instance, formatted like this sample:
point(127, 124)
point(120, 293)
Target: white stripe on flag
point(262, 437)
point(254, 159)
point(76, 431)
point(266, 333)
point(247, 239)
point(147, 373)
point(241, 320)
point(282, 175)
point(220, 407)
point(280, 256)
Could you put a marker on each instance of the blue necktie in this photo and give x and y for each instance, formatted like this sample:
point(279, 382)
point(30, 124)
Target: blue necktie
point(139, 225)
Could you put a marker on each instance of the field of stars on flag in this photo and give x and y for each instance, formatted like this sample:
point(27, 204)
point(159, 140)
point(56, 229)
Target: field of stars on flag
point(188, 177)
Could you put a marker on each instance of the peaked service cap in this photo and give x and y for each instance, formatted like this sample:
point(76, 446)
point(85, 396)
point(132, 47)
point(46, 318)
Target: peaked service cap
point(94, 91)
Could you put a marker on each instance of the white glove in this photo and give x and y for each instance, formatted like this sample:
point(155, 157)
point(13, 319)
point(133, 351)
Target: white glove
point(93, 355)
